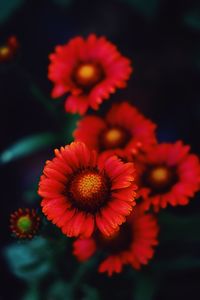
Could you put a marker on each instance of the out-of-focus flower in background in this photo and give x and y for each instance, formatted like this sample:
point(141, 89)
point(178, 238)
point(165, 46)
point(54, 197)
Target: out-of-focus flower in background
point(122, 129)
point(9, 49)
point(169, 175)
point(133, 244)
point(90, 69)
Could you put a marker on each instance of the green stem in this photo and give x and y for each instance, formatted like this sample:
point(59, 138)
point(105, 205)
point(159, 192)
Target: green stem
point(37, 93)
point(46, 102)
point(146, 286)
point(83, 269)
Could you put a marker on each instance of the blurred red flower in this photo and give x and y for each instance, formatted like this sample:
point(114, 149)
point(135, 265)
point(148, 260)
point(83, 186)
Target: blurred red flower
point(133, 244)
point(81, 194)
point(123, 129)
point(8, 50)
point(90, 69)
point(168, 174)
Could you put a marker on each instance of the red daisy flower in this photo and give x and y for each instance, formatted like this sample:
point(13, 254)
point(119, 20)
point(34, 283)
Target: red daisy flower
point(79, 193)
point(24, 223)
point(133, 244)
point(123, 129)
point(90, 69)
point(8, 50)
point(168, 175)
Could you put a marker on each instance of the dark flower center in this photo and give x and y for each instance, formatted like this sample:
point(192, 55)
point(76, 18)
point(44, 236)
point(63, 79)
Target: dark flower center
point(87, 75)
point(89, 190)
point(120, 241)
point(160, 178)
point(114, 137)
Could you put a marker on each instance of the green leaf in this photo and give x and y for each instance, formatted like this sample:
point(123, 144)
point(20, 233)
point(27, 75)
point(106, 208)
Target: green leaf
point(8, 7)
point(28, 146)
point(30, 260)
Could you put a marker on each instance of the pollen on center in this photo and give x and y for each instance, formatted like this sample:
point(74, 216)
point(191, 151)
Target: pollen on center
point(88, 74)
point(89, 184)
point(4, 50)
point(113, 135)
point(86, 71)
point(160, 175)
point(89, 190)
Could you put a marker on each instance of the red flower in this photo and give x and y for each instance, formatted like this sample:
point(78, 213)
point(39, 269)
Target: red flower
point(89, 69)
point(24, 223)
point(8, 50)
point(123, 128)
point(169, 175)
point(133, 244)
point(79, 193)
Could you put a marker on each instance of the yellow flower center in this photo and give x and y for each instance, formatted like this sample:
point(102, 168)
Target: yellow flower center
point(113, 135)
point(4, 51)
point(89, 185)
point(87, 75)
point(89, 190)
point(24, 223)
point(114, 138)
point(86, 72)
point(160, 175)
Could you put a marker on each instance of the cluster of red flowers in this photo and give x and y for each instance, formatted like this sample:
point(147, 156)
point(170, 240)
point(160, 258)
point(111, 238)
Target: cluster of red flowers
point(106, 187)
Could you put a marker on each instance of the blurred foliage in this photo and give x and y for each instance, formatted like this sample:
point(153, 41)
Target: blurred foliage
point(90, 293)
point(30, 196)
point(28, 146)
point(8, 7)
point(60, 290)
point(30, 260)
point(147, 8)
point(32, 293)
point(192, 18)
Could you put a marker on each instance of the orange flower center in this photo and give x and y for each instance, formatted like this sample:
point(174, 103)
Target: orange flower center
point(4, 52)
point(88, 74)
point(89, 190)
point(89, 185)
point(160, 175)
point(114, 137)
point(160, 178)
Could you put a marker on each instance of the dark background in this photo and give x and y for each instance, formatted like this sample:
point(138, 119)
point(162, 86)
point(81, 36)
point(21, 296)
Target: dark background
point(163, 40)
